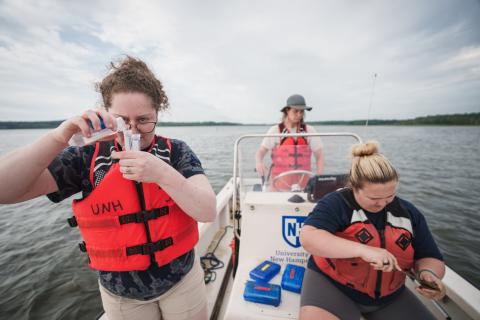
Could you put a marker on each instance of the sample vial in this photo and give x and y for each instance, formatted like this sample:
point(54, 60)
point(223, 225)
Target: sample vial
point(79, 140)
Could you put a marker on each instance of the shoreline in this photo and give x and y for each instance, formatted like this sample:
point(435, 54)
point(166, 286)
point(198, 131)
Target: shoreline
point(465, 119)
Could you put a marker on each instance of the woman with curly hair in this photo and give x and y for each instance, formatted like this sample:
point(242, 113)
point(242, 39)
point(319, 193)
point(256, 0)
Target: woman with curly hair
point(138, 210)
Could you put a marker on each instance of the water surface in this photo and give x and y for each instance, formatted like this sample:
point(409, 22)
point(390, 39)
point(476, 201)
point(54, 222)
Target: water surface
point(44, 276)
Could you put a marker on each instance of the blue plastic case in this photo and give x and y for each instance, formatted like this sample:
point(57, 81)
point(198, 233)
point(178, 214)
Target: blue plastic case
point(292, 278)
point(265, 271)
point(262, 293)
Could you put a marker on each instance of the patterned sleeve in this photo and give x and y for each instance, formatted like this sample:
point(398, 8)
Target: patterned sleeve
point(68, 169)
point(184, 160)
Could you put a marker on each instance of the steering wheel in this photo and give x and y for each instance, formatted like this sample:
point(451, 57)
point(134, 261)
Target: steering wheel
point(281, 185)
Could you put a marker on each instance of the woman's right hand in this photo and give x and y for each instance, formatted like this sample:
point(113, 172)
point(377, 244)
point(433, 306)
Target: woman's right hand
point(431, 286)
point(379, 258)
point(80, 123)
point(261, 169)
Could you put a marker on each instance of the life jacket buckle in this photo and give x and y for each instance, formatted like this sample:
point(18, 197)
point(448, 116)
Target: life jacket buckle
point(72, 222)
point(151, 247)
point(147, 248)
point(164, 243)
point(82, 246)
point(140, 216)
point(146, 215)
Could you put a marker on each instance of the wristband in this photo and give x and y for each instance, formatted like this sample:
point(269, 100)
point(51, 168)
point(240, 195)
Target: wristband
point(427, 270)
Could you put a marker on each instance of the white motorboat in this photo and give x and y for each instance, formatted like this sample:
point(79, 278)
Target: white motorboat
point(265, 224)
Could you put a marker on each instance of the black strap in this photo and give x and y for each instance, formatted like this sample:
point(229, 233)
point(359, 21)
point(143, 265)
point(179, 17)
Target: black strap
point(138, 217)
point(347, 195)
point(143, 216)
point(72, 222)
point(82, 246)
point(149, 248)
point(282, 129)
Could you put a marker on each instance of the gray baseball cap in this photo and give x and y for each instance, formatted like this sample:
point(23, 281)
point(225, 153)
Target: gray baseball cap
point(298, 102)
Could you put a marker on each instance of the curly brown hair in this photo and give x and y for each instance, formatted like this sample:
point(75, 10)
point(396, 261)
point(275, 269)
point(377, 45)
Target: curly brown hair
point(132, 75)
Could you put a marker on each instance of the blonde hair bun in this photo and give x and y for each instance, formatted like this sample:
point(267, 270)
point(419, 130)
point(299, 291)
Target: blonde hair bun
point(365, 149)
point(368, 165)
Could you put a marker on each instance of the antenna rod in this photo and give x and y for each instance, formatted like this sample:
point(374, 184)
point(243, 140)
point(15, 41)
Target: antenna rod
point(371, 99)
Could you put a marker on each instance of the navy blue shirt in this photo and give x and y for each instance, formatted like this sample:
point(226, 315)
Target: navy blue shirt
point(333, 214)
point(71, 171)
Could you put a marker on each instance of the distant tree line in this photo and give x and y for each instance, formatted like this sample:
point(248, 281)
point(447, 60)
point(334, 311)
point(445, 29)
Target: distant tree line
point(54, 124)
point(460, 119)
point(189, 124)
point(29, 124)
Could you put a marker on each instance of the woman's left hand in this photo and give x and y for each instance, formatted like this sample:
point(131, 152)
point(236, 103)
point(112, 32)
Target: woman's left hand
point(140, 166)
point(430, 278)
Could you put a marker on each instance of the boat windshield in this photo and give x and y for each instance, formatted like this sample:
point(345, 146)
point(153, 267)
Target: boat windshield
point(294, 164)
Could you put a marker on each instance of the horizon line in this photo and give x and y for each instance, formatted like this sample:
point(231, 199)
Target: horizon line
point(263, 123)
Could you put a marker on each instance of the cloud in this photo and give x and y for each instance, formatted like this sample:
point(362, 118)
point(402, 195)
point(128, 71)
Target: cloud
point(239, 61)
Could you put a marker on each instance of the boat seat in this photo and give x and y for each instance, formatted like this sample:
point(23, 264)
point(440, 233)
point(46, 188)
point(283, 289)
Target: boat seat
point(320, 185)
point(257, 187)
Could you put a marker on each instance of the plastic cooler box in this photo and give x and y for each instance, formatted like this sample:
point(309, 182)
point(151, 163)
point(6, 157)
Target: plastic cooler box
point(292, 278)
point(265, 271)
point(262, 293)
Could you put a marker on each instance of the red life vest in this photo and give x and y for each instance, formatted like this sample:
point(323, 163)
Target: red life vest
point(126, 225)
point(293, 153)
point(396, 238)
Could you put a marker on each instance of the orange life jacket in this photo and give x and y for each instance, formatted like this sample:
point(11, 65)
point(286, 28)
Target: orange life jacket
point(293, 153)
point(127, 225)
point(396, 238)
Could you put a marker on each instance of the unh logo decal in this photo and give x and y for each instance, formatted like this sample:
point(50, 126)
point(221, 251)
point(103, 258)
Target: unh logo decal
point(291, 226)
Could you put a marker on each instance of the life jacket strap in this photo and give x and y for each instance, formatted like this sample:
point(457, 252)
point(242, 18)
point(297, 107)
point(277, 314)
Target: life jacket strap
point(151, 247)
point(72, 222)
point(113, 222)
point(82, 246)
point(143, 216)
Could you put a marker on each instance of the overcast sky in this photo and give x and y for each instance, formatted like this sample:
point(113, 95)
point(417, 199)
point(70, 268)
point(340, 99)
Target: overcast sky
point(240, 60)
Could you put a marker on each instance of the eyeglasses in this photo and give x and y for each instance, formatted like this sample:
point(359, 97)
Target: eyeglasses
point(142, 127)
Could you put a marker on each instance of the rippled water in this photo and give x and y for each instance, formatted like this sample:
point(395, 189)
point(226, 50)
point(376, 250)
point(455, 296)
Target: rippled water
point(44, 276)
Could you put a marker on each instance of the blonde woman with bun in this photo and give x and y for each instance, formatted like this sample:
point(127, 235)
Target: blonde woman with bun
point(362, 240)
